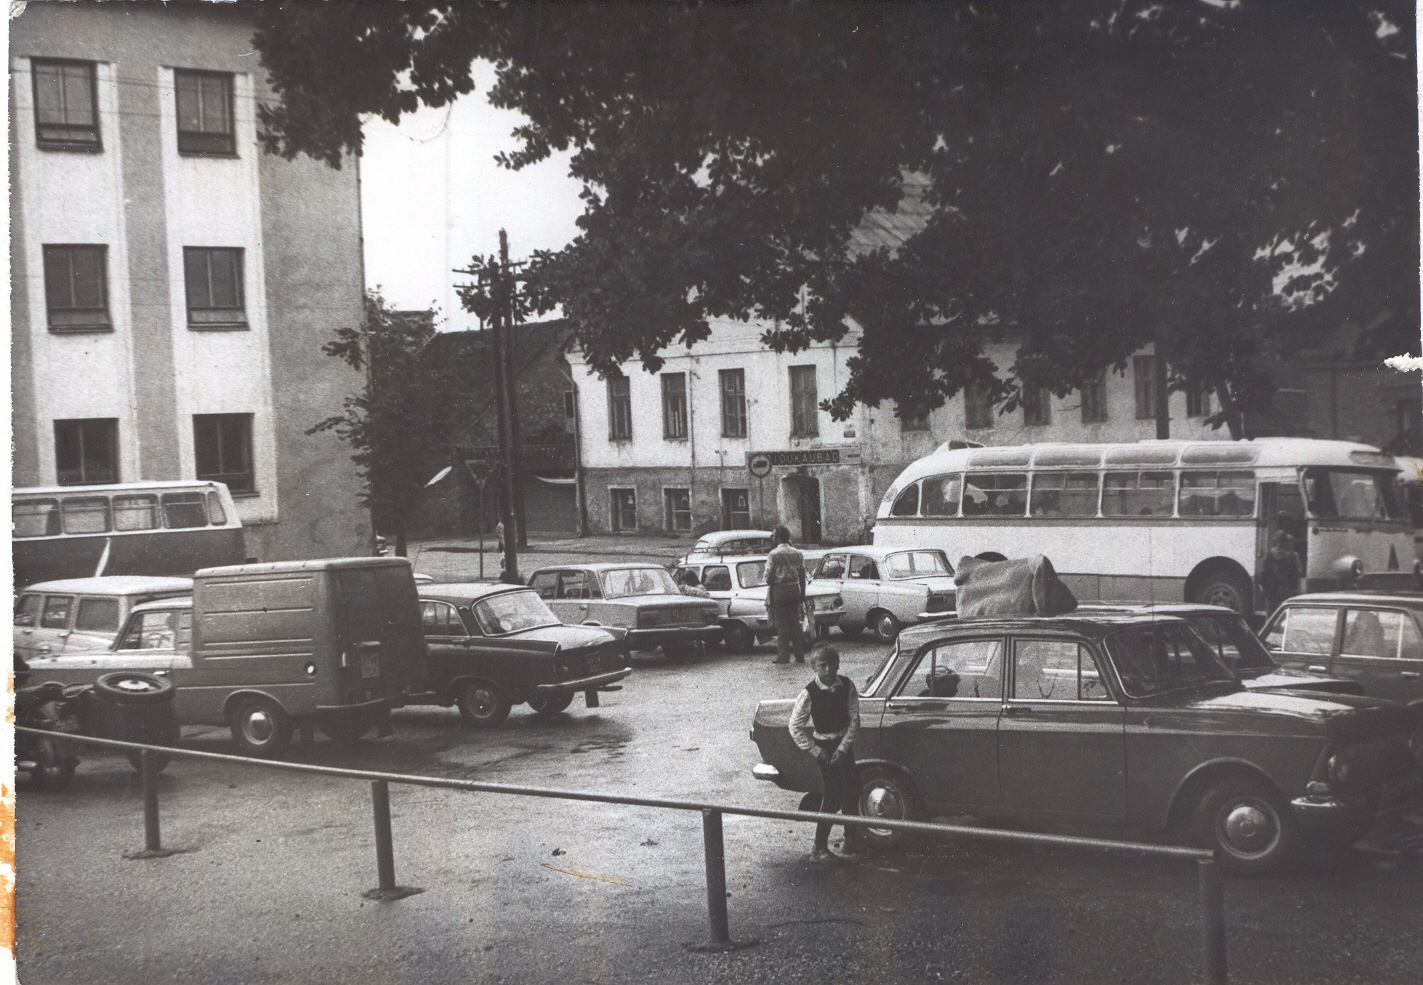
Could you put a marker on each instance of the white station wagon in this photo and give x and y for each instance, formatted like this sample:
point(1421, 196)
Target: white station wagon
point(738, 584)
point(884, 588)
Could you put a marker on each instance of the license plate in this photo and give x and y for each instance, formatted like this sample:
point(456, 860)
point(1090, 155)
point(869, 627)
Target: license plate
point(370, 665)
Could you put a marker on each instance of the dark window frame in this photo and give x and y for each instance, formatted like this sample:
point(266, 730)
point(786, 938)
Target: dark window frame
point(222, 455)
point(674, 406)
point(1144, 384)
point(65, 311)
point(619, 408)
point(978, 407)
point(733, 402)
point(64, 134)
point(93, 440)
point(201, 287)
point(1037, 406)
point(617, 505)
point(675, 511)
point(1094, 399)
point(805, 401)
point(913, 423)
point(213, 137)
point(729, 514)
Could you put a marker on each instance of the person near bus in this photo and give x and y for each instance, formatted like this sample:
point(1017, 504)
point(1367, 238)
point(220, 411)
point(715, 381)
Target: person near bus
point(1280, 571)
point(785, 592)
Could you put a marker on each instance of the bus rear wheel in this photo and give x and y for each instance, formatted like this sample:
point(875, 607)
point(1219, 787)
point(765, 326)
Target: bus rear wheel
point(1223, 588)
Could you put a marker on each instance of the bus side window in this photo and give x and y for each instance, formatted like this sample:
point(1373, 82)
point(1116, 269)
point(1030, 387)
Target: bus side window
point(86, 515)
point(136, 512)
point(941, 496)
point(27, 610)
point(35, 518)
point(185, 509)
point(907, 504)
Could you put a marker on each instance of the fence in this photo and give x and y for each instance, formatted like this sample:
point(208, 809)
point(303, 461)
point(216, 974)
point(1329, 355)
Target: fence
point(1209, 883)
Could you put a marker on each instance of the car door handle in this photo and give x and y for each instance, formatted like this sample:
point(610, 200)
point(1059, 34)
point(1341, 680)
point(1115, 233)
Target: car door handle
point(1017, 711)
point(1317, 668)
point(1410, 675)
point(916, 706)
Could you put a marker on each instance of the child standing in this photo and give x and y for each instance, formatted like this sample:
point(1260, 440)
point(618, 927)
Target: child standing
point(824, 721)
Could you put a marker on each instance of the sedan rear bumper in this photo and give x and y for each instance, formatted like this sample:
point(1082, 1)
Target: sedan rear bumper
point(594, 683)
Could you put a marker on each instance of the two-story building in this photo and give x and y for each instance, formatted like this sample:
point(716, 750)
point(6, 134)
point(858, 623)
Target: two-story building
point(172, 285)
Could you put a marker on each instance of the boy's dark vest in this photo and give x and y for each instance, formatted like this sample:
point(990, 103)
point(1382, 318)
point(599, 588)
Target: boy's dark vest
point(830, 707)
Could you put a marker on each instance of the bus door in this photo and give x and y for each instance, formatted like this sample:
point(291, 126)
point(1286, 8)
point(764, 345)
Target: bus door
point(1281, 507)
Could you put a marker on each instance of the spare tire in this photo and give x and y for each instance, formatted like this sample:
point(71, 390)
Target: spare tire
point(129, 687)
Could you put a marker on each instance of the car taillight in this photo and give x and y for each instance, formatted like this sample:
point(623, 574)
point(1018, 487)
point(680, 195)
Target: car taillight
point(1339, 768)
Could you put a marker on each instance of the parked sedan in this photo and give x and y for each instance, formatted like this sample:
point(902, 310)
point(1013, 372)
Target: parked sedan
point(724, 543)
point(495, 646)
point(1236, 644)
point(885, 588)
point(83, 614)
point(640, 600)
point(1123, 719)
point(1372, 638)
point(738, 584)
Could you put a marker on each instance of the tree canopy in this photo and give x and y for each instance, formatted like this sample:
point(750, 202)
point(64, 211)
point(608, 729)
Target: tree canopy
point(1222, 178)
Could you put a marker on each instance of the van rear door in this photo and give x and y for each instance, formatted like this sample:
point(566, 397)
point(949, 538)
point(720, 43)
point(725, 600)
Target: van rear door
point(381, 640)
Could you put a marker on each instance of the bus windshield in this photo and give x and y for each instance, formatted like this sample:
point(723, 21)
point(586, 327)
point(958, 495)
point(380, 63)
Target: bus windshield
point(1351, 494)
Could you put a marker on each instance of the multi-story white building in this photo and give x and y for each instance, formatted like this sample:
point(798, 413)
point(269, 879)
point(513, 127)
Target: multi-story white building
point(729, 434)
point(171, 283)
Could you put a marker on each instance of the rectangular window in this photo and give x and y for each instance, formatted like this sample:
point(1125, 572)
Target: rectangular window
point(66, 105)
point(913, 422)
point(568, 404)
point(733, 403)
point(805, 419)
point(76, 288)
point(205, 113)
point(678, 504)
point(674, 405)
point(736, 509)
point(619, 409)
point(214, 282)
point(1198, 401)
point(86, 452)
point(1138, 493)
point(222, 446)
point(1144, 377)
point(977, 407)
point(1217, 494)
point(995, 494)
point(624, 509)
point(1064, 494)
point(1094, 400)
point(1037, 406)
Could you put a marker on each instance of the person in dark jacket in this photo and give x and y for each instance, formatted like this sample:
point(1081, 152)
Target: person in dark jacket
point(824, 721)
point(1280, 571)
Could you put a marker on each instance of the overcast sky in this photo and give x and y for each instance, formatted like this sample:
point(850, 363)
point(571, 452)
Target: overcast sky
point(432, 197)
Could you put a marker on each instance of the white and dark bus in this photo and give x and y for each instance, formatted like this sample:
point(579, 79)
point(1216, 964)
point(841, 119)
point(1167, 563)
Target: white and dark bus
point(135, 528)
point(1163, 521)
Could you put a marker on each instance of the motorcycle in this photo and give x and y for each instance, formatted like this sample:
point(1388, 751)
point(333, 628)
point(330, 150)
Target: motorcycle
point(51, 707)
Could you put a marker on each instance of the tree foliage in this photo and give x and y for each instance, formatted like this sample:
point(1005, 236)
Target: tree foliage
point(399, 424)
point(1222, 180)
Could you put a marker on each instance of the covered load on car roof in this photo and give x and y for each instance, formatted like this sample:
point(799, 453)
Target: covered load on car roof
point(1017, 587)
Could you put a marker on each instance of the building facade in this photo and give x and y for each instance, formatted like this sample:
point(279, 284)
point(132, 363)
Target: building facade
point(729, 434)
point(172, 285)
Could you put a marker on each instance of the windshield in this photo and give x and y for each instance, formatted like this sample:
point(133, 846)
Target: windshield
point(1238, 648)
point(751, 574)
point(1155, 658)
point(622, 582)
point(1351, 494)
point(512, 612)
point(917, 564)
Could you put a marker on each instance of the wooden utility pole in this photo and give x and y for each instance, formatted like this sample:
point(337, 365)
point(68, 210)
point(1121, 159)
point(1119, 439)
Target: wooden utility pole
point(506, 287)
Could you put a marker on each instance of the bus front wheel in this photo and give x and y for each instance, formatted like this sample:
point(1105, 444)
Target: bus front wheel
point(1224, 588)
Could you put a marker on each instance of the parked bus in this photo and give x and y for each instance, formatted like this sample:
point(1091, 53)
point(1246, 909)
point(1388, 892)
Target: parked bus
point(1162, 521)
point(136, 528)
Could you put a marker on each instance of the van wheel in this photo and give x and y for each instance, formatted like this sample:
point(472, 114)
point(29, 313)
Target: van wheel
point(346, 730)
point(1224, 588)
point(886, 626)
point(260, 727)
point(129, 687)
point(737, 638)
point(851, 631)
point(483, 704)
point(548, 707)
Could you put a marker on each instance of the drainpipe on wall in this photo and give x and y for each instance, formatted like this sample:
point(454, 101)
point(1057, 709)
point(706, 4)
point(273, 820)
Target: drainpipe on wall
point(691, 444)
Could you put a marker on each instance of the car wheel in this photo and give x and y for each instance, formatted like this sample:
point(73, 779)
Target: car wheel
point(483, 704)
point(1247, 823)
point(548, 707)
point(127, 687)
point(886, 626)
point(260, 727)
point(737, 638)
point(1224, 588)
point(851, 631)
point(887, 795)
point(346, 730)
point(161, 761)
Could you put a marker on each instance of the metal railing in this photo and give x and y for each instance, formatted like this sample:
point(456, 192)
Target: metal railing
point(1210, 886)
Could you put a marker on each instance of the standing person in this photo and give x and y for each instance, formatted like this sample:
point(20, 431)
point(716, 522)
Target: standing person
point(1280, 571)
point(824, 721)
point(785, 591)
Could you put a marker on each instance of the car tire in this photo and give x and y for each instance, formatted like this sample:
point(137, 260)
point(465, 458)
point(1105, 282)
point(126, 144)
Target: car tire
point(1247, 824)
point(129, 687)
point(346, 730)
point(1224, 588)
point(260, 727)
point(549, 707)
point(886, 626)
point(851, 631)
point(483, 704)
point(738, 638)
point(886, 794)
point(135, 759)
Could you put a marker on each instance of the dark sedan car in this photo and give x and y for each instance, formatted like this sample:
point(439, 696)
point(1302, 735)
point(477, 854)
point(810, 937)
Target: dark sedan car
point(494, 646)
point(1124, 719)
point(1372, 638)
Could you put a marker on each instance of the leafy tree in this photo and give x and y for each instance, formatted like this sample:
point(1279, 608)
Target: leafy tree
point(398, 425)
point(1224, 180)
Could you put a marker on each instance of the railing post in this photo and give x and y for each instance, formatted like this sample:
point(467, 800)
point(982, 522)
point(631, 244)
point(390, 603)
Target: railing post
point(148, 768)
point(716, 878)
point(1213, 967)
point(385, 853)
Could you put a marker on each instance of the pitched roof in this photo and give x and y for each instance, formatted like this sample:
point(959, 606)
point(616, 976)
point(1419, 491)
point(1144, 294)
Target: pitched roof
point(885, 230)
